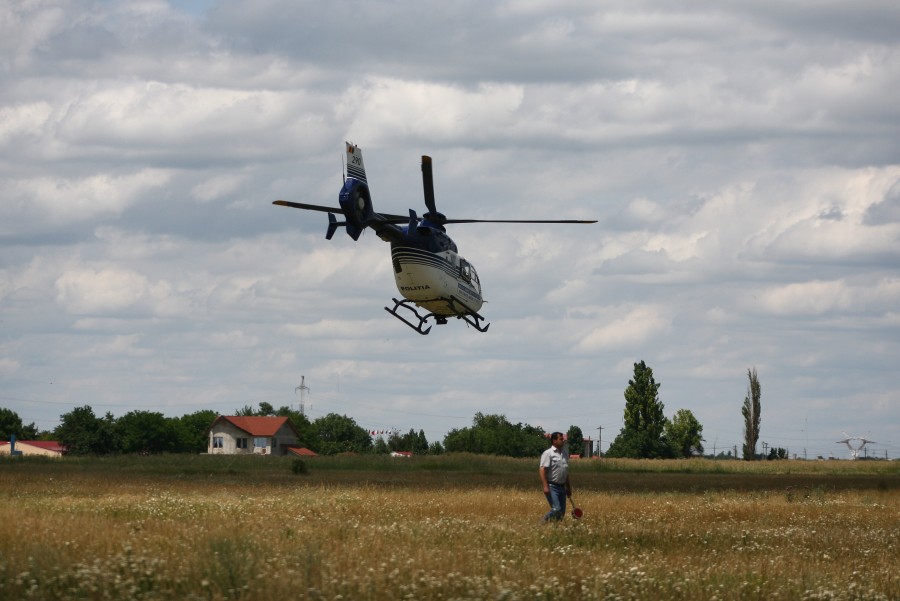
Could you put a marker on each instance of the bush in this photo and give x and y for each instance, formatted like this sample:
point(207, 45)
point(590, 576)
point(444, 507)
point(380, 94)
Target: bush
point(298, 466)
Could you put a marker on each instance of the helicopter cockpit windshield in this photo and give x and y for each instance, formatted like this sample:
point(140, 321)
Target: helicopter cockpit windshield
point(468, 273)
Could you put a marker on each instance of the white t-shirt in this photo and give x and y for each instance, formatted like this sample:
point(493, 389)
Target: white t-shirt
point(557, 464)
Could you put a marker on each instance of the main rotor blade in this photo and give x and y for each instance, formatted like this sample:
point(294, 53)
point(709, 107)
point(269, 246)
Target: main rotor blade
point(386, 217)
point(300, 205)
point(428, 184)
point(389, 218)
point(520, 221)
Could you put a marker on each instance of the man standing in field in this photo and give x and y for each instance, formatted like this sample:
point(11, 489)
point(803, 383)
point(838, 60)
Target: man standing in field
point(554, 472)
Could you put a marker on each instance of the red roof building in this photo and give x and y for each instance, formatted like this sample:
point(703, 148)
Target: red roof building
point(247, 435)
point(46, 448)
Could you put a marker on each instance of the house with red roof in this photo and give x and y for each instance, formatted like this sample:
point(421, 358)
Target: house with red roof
point(45, 448)
point(247, 435)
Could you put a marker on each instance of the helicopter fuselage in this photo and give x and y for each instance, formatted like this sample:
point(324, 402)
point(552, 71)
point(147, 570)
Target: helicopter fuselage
point(429, 272)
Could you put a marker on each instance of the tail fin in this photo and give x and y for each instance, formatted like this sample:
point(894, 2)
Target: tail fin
point(355, 167)
point(356, 202)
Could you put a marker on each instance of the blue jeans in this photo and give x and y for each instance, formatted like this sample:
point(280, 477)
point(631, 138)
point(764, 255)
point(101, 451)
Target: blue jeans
point(557, 500)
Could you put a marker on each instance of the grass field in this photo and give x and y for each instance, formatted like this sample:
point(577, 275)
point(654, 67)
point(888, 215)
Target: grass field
point(456, 527)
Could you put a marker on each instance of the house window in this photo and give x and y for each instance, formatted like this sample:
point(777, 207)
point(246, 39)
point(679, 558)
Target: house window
point(260, 443)
point(218, 442)
point(240, 443)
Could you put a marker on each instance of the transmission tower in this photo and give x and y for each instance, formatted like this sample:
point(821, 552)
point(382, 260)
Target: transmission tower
point(857, 446)
point(304, 390)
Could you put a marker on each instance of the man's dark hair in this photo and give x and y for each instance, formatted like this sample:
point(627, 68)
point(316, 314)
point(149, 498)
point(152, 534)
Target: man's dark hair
point(556, 435)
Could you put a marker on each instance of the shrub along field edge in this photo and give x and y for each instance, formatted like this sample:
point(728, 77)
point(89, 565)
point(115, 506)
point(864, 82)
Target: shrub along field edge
point(620, 475)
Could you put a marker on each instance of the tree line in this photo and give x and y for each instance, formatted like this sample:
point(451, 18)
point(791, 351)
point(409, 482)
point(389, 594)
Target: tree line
point(647, 432)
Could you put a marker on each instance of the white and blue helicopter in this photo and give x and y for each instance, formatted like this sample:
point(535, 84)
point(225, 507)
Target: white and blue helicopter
point(428, 270)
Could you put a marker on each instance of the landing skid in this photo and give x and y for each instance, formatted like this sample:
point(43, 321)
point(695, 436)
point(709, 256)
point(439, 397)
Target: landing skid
point(473, 319)
point(418, 328)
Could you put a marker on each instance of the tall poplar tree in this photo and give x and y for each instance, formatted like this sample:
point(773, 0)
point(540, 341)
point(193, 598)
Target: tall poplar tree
point(751, 412)
point(642, 434)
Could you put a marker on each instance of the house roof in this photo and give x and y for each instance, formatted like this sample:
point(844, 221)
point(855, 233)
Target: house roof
point(255, 425)
point(47, 445)
point(302, 451)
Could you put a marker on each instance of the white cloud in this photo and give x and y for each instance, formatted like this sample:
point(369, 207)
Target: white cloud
point(216, 187)
point(820, 297)
point(233, 339)
point(88, 291)
point(66, 200)
point(21, 121)
point(809, 298)
point(625, 327)
point(155, 113)
point(741, 160)
point(8, 366)
point(381, 110)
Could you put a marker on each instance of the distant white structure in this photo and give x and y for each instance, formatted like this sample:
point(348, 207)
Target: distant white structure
point(855, 444)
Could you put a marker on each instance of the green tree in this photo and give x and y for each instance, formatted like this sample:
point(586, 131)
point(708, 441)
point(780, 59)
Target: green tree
point(195, 430)
point(751, 411)
point(421, 446)
point(397, 442)
point(777, 453)
point(83, 433)
point(265, 410)
point(337, 434)
point(576, 440)
point(642, 434)
point(381, 447)
point(495, 435)
point(148, 432)
point(415, 443)
point(11, 425)
point(684, 434)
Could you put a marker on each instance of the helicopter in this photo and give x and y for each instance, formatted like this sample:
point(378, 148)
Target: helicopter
point(428, 269)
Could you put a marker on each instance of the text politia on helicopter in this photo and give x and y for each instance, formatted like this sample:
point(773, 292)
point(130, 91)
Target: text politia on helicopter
point(428, 270)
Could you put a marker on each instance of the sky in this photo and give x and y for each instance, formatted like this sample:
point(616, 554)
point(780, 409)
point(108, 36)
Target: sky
point(742, 161)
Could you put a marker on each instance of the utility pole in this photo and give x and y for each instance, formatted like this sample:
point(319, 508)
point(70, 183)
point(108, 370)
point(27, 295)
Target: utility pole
point(599, 447)
point(304, 389)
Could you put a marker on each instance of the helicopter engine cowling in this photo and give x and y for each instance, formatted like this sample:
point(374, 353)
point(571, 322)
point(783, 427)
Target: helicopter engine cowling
point(356, 204)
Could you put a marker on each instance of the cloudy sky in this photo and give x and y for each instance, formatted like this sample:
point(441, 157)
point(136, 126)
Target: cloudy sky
point(743, 161)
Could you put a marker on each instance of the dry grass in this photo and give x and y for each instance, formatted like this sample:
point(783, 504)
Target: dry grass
point(254, 530)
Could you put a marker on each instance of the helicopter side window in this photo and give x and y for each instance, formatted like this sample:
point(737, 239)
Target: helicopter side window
point(465, 270)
